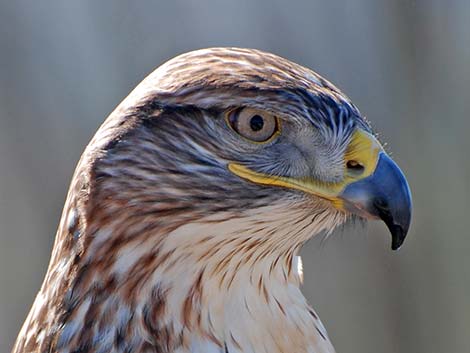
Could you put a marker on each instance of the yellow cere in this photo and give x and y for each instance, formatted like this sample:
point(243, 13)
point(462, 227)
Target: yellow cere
point(363, 149)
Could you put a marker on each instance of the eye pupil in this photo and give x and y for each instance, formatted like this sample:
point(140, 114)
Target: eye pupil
point(256, 123)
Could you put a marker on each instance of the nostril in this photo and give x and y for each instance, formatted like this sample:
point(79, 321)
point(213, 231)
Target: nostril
point(355, 168)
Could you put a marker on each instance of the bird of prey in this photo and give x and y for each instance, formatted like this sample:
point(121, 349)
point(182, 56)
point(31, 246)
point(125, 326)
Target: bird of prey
point(185, 215)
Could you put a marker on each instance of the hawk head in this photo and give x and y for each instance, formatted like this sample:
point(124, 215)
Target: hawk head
point(235, 129)
point(189, 206)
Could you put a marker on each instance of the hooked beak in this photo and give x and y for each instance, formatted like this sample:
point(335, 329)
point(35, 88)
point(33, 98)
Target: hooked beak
point(374, 187)
point(386, 195)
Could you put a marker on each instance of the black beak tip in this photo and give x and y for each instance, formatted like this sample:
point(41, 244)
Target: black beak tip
point(398, 235)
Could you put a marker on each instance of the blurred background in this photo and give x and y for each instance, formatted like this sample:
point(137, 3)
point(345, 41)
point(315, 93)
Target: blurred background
point(65, 65)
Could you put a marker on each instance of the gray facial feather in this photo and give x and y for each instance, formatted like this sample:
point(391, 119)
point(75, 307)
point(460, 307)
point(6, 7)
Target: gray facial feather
point(189, 149)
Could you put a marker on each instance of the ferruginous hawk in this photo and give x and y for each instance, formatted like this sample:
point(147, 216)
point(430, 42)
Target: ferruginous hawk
point(185, 215)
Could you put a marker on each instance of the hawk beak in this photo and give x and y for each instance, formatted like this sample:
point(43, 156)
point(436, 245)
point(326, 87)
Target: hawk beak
point(378, 189)
point(384, 194)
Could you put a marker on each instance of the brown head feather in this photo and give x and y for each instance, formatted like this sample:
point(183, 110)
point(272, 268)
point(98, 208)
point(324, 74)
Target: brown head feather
point(160, 248)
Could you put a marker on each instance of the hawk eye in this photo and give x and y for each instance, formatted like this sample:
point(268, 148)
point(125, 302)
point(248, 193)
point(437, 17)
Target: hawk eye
point(253, 124)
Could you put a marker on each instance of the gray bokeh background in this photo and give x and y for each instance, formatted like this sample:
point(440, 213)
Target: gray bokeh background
point(65, 65)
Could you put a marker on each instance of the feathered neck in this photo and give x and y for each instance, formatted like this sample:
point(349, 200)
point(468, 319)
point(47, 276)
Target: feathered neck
point(221, 282)
point(243, 293)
